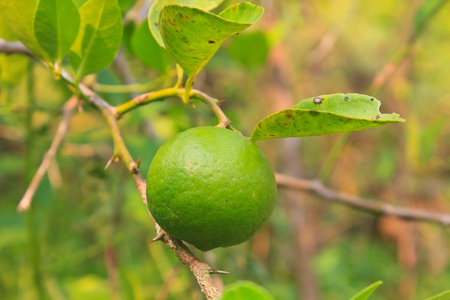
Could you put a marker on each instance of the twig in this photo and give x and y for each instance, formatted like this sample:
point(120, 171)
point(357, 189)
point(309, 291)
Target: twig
point(27, 198)
point(201, 270)
point(364, 204)
point(13, 47)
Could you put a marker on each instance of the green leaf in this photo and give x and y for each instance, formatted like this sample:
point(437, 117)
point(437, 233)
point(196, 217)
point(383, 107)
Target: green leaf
point(192, 35)
point(99, 37)
point(80, 3)
point(365, 293)
point(426, 12)
point(148, 50)
point(158, 5)
point(56, 24)
point(326, 114)
point(251, 49)
point(244, 290)
point(6, 32)
point(18, 15)
point(442, 296)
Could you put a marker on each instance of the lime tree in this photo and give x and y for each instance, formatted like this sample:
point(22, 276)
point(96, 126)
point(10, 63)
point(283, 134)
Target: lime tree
point(211, 187)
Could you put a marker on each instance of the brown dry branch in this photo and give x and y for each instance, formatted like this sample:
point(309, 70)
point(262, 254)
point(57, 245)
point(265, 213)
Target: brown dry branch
point(364, 204)
point(68, 110)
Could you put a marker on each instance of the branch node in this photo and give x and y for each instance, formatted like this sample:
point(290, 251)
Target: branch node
point(134, 168)
point(141, 99)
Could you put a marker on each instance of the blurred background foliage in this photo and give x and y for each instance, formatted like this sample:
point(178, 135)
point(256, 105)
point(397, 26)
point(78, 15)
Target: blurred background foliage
point(86, 235)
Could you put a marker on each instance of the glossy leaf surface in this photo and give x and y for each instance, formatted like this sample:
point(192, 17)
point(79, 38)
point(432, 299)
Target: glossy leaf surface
point(192, 35)
point(244, 290)
point(56, 24)
point(99, 39)
point(365, 293)
point(158, 5)
point(18, 15)
point(325, 114)
point(5, 31)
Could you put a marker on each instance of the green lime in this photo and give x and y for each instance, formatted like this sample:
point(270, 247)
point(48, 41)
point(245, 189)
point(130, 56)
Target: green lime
point(211, 187)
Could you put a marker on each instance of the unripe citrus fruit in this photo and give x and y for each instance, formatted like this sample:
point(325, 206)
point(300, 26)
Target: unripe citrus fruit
point(211, 187)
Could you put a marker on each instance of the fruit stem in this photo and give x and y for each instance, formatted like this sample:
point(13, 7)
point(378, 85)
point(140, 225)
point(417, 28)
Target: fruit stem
point(180, 74)
point(174, 92)
point(214, 105)
point(187, 89)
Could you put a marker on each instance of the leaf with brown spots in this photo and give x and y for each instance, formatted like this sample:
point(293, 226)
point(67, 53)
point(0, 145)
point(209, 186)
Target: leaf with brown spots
point(158, 5)
point(325, 114)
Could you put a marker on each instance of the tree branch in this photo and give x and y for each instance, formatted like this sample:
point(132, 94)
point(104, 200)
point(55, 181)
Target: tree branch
point(13, 47)
point(27, 198)
point(199, 269)
point(367, 205)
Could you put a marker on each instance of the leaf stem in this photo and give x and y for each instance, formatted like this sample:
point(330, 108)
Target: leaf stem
point(214, 105)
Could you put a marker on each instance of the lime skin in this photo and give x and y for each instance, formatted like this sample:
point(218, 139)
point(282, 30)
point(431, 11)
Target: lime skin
point(211, 187)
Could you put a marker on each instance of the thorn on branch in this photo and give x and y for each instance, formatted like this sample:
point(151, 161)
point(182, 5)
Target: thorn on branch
point(159, 236)
point(113, 158)
point(139, 161)
point(134, 168)
point(221, 101)
point(212, 271)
